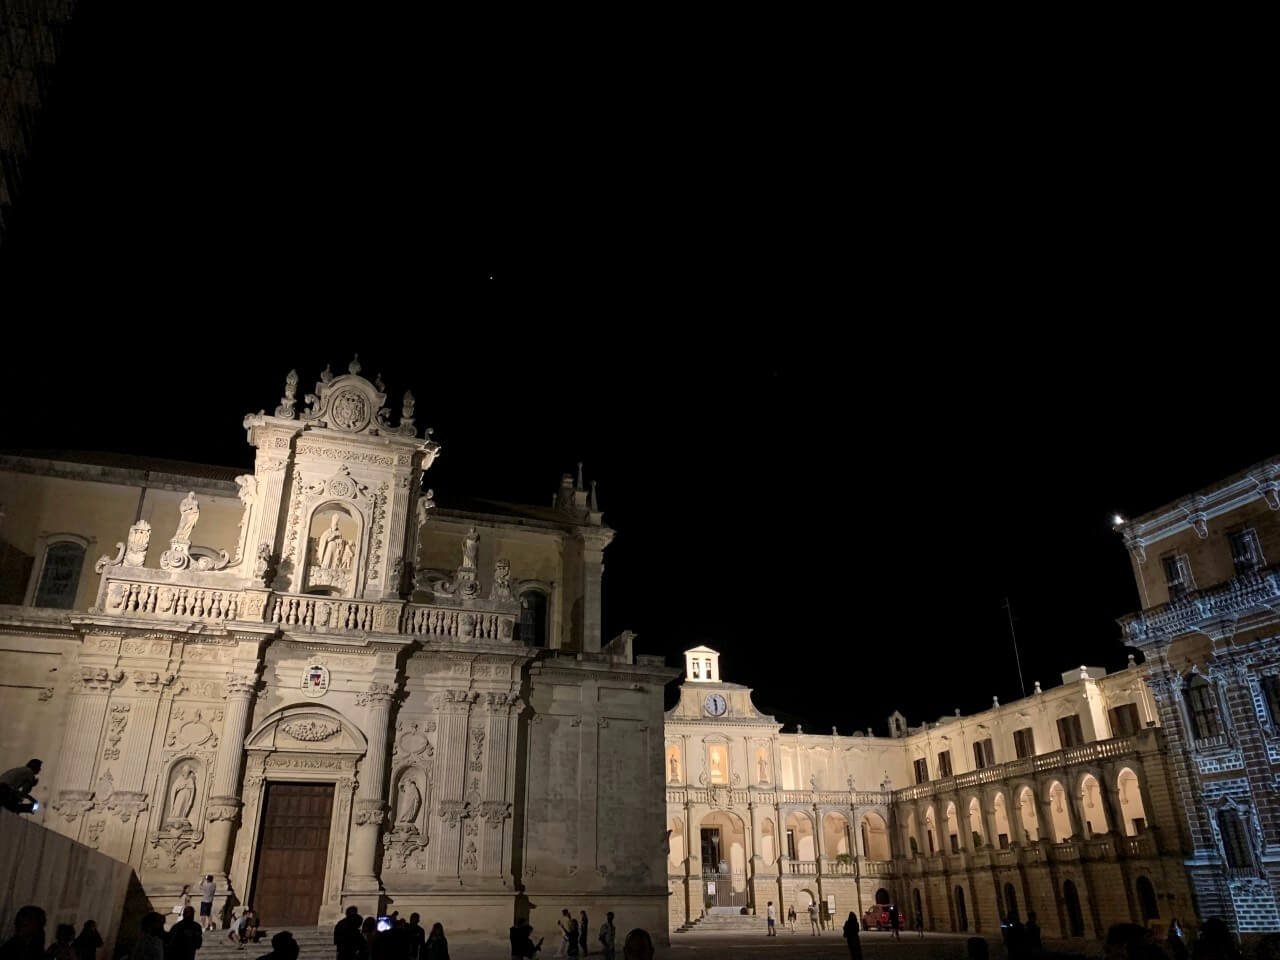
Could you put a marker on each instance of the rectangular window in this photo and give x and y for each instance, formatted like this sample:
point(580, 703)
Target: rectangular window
point(984, 754)
point(944, 763)
point(1024, 743)
point(955, 844)
point(1069, 731)
point(1245, 553)
point(1271, 692)
point(1124, 720)
point(791, 844)
point(1234, 843)
point(1175, 576)
point(60, 577)
point(1204, 709)
point(922, 770)
point(1004, 841)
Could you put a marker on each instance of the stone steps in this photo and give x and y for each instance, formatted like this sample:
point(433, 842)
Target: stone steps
point(312, 941)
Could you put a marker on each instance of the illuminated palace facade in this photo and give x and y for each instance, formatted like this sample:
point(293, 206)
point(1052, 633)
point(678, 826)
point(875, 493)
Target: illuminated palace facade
point(1140, 795)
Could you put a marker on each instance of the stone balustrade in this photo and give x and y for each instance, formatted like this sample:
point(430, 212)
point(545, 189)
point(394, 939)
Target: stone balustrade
point(1238, 596)
point(767, 796)
point(155, 595)
point(1045, 762)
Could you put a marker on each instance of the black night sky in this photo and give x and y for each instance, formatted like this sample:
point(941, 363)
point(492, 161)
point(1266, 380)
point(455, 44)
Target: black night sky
point(849, 368)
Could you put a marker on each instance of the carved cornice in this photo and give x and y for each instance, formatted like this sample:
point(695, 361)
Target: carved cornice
point(378, 694)
point(150, 681)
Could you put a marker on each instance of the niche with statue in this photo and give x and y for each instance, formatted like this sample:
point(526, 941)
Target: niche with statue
point(332, 551)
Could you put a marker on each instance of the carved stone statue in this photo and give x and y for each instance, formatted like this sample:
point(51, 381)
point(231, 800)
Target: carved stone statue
point(763, 768)
point(190, 513)
point(139, 540)
point(348, 555)
point(501, 581)
point(182, 797)
point(331, 544)
point(675, 769)
point(410, 803)
point(470, 547)
point(426, 503)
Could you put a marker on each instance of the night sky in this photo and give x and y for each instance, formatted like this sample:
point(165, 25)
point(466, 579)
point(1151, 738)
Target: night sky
point(848, 374)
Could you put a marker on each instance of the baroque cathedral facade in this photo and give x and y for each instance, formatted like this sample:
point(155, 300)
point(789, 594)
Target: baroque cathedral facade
point(322, 688)
point(314, 684)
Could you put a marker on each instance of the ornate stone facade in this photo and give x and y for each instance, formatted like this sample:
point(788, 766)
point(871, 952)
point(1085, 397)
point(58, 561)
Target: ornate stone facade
point(340, 632)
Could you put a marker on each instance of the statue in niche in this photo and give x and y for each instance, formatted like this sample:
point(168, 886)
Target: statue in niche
point(717, 765)
point(348, 555)
point(189, 513)
point(763, 768)
point(410, 803)
point(182, 797)
point(470, 547)
point(331, 545)
point(675, 769)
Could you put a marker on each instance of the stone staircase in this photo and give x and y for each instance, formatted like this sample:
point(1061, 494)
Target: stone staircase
point(313, 941)
point(726, 924)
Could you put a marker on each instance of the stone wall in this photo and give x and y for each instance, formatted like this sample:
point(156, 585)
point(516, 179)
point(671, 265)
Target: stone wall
point(70, 882)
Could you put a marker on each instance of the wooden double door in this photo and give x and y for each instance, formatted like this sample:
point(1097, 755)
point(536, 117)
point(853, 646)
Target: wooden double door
point(293, 852)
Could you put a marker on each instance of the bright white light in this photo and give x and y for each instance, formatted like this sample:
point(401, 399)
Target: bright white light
point(1117, 520)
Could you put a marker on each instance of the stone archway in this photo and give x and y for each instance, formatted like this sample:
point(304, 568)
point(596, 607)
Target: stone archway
point(310, 745)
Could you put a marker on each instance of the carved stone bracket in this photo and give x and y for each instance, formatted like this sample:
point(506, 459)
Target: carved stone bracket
point(151, 681)
point(493, 812)
point(73, 803)
point(451, 811)
point(99, 679)
point(241, 685)
point(223, 808)
point(127, 804)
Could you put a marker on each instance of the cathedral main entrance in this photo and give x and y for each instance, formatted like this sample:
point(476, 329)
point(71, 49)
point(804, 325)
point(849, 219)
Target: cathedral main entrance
point(288, 883)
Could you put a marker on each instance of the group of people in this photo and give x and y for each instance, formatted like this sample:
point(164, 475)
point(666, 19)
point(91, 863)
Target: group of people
point(27, 942)
point(357, 938)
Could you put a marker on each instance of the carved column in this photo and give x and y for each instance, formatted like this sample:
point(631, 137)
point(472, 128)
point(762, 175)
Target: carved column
point(272, 468)
point(224, 801)
point(451, 766)
point(129, 796)
point(80, 745)
point(370, 799)
point(593, 545)
point(494, 808)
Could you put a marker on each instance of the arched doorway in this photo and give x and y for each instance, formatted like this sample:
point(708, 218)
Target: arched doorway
point(1027, 814)
point(1147, 900)
point(1075, 919)
point(1001, 838)
point(962, 915)
point(723, 839)
point(1131, 808)
point(1010, 903)
point(875, 837)
point(918, 905)
point(882, 896)
point(1095, 816)
point(976, 830)
point(836, 838)
point(1061, 826)
point(953, 829)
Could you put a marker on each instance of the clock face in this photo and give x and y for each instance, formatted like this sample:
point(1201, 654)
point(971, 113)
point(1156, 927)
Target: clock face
point(715, 705)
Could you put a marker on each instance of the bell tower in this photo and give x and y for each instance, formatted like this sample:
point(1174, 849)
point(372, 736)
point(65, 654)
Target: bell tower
point(702, 665)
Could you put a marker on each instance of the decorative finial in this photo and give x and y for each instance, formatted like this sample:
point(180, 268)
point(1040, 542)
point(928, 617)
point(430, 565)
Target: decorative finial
point(354, 367)
point(289, 401)
point(995, 703)
point(849, 781)
point(834, 732)
point(327, 373)
point(406, 410)
point(799, 729)
point(580, 486)
point(1132, 662)
point(957, 711)
point(1037, 689)
point(595, 504)
point(378, 384)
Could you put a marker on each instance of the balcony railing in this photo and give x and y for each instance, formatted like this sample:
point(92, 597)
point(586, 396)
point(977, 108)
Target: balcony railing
point(805, 868)
point(1242, 594)
point(1086, 753)
point(151, 595)
point(834, 868)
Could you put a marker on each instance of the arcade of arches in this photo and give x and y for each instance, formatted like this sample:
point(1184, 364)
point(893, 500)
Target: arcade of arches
point(756, 815)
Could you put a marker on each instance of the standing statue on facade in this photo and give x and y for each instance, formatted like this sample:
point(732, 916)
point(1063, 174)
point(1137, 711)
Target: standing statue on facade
point(348, 555)
point(764, 770)
point(675, 769)
point(190, 513)
point(470, 547)
point(182, 797)
point(331, 544)
point(410, 804)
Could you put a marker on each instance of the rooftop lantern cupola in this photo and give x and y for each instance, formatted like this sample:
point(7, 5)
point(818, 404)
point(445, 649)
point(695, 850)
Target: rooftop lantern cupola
point(702, 664)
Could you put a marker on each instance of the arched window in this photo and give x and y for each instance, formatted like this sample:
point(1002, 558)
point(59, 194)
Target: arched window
point(1075, 918)
point(1147, 900)
point(1010, 903)
point(1235, 843)
point(59, 575)
point(533, 619)
point(1202, 706)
